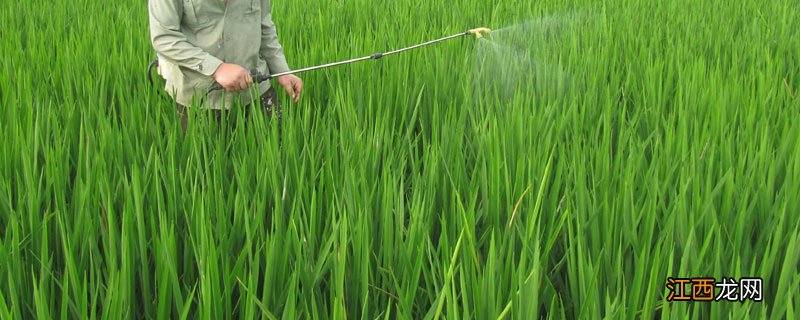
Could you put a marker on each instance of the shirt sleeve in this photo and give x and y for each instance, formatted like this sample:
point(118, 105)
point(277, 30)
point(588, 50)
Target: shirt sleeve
point(271, 49)
point(168, 40)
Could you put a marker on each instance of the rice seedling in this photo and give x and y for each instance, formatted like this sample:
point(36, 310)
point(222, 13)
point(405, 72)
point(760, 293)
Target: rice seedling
point(564, 167)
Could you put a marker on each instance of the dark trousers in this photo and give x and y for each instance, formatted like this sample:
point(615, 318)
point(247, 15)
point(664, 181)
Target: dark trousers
point(269, 103)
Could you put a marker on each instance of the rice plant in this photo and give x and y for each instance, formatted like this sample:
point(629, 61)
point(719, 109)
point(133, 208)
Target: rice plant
point(563, 167)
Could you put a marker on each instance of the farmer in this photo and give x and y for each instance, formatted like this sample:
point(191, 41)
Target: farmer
point(202, 41)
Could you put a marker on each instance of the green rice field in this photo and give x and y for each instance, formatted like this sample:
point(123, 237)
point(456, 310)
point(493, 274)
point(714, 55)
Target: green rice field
point(564, 167)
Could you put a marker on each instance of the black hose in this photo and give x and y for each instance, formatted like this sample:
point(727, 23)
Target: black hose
point(153, 64)
point(150, 67)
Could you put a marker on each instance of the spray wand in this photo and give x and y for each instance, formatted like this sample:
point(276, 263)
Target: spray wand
point(258, 77)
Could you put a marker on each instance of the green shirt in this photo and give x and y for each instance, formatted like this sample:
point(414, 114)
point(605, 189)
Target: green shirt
point(193, 37)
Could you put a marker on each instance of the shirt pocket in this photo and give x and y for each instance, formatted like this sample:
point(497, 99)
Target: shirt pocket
point(255, 7)
point(190, 12)
point(197, 14)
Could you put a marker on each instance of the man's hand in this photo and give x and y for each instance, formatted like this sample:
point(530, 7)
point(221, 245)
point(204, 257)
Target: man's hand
point(292, 84)
point(232, 77)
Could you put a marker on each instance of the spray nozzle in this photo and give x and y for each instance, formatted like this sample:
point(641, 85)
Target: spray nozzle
point(479, 32)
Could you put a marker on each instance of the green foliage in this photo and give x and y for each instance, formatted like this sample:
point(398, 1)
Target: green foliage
point(563, 168)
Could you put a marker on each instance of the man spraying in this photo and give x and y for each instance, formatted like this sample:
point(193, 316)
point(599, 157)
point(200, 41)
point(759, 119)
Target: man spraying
point(200, 42)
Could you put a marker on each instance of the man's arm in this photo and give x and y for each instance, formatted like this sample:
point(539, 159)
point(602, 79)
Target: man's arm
point(272, 52)
point(271, 49)
point(170, 42)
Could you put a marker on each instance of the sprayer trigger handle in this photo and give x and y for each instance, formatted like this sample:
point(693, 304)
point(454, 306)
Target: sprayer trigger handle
point(214, 87)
